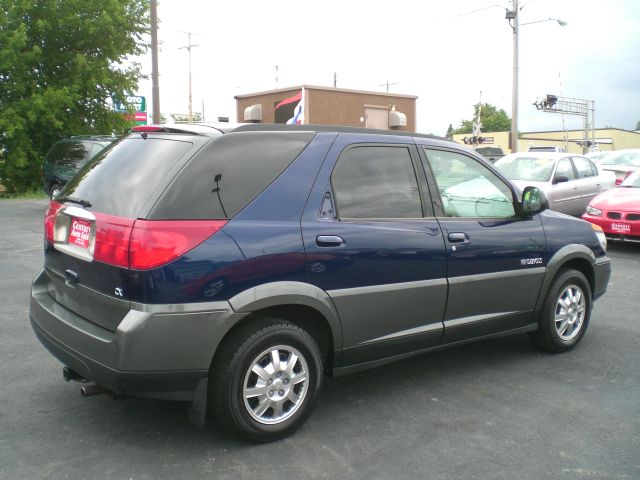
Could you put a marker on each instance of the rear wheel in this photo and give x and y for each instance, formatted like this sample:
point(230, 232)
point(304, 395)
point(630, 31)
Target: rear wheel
point(55, 190)
point(264, 380)
point(565, 314)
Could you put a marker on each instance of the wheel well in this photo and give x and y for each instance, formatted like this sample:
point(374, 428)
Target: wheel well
point(584, 267)
point(307, 318)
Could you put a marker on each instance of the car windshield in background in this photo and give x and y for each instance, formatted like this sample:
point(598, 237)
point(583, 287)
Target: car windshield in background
point(622, 158)
point(531, 168)
point(632, 180)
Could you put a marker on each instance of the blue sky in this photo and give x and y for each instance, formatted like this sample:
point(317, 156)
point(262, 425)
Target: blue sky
point(438, 51)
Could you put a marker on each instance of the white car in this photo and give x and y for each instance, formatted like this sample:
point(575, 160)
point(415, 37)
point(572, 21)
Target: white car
point(622, 163)
point(568, 180)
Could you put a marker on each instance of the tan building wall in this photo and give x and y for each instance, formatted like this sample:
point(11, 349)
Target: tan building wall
point(332, 106)
point(606, 138)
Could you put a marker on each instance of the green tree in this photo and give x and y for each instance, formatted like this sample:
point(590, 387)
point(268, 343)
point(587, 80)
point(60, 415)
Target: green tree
point(492, 119)
point(61, 63)
point(450, 132)
point(638, 125)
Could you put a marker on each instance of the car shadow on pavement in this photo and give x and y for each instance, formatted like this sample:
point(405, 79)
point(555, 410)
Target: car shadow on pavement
point(392, 393)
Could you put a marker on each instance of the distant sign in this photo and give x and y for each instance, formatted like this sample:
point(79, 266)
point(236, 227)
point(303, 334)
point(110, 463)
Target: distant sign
point(133, 109)
point(133, 102)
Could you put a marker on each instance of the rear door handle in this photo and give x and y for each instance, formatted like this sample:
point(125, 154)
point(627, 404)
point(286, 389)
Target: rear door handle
point(458, 237)
point(329, 241)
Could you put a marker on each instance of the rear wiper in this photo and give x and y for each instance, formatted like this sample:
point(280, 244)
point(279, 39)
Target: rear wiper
point(79, 201)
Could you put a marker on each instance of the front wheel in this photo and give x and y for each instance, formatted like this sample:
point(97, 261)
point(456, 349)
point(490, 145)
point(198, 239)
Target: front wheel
point(565, 314)
point(264, 380)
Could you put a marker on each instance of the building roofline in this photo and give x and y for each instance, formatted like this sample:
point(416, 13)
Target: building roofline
point(330, 89)
point(578, 130)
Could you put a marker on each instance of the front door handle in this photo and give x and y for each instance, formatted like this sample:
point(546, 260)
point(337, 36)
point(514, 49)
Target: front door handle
point(458, 237)
point(329, 241)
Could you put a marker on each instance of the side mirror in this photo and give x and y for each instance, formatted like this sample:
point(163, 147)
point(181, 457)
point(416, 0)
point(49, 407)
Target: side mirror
point(560, 179)
point(533, 201)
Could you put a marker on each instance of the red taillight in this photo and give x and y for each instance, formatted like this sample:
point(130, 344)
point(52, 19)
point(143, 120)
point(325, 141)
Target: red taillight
point(112, 239)
point(50, 218)
point(158, 242)
point(148, 128)
point(139, 244)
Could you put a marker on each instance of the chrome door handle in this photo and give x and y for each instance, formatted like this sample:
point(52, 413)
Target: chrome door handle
point(329, 241)
point(458, 237)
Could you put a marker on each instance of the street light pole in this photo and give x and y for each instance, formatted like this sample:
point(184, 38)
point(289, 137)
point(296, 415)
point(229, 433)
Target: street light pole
point(514, 20)
point(514, 92)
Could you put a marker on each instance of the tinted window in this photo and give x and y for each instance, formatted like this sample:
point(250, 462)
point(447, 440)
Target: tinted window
point(119, 180)
point(584, 167)
point(229, 173)
point(376, 182)
point(468, 188)
point(68, 154)
point(565, 169)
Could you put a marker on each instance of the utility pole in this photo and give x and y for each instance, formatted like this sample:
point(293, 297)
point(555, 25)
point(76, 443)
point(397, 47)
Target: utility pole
point(155, 86)
point(513, 17)
point(387, 85)
point(189, 47)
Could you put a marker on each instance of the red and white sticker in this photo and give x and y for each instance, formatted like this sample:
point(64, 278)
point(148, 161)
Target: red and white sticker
point(80, 232)
point(621, 227)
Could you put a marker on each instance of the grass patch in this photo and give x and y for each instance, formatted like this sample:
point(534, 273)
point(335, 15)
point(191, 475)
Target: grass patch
point(32, 195)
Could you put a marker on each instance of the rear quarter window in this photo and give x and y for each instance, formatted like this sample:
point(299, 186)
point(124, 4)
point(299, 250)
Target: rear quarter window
point(228, 174)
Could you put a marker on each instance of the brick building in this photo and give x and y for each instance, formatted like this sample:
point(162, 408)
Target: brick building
point(329, 106)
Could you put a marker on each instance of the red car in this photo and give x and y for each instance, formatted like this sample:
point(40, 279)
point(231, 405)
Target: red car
point(617, 210)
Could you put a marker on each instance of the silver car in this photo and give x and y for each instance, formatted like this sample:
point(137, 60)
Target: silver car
point(568, 180)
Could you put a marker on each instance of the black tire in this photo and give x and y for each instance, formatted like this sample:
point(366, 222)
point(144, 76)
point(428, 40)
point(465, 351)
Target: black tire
point(55, 189)
point(249, 349)
point(565, 314)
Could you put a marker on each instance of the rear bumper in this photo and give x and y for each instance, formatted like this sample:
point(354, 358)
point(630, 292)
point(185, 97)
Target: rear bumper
point(158, 351)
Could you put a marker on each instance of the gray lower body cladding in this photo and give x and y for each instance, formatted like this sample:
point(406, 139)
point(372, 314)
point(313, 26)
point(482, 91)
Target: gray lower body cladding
point(159, 351)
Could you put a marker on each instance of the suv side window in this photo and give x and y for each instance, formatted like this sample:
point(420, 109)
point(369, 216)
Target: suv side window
point(376, 182)
point(468, 188)
point(584, 167)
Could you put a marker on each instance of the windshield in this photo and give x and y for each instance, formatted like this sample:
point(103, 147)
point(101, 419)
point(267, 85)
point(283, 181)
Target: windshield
point(622, 158)
point(530, 168)
point(632, 180)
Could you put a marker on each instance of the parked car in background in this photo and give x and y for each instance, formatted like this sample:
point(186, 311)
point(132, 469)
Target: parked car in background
point(597, 156)
point(67, 156)
point(233, 270)
point(568, 180)
point(617, 210)
point(547, 148)
point(621, 162)
point(491, 153)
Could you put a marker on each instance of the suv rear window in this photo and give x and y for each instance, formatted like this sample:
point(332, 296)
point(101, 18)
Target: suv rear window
point(68, 153)
point(229, 173)
point(120, 179)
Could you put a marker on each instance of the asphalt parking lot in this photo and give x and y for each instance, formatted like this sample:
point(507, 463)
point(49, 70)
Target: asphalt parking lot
point(497, 409)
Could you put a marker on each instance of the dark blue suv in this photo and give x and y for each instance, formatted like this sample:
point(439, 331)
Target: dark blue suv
point(233, 269)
